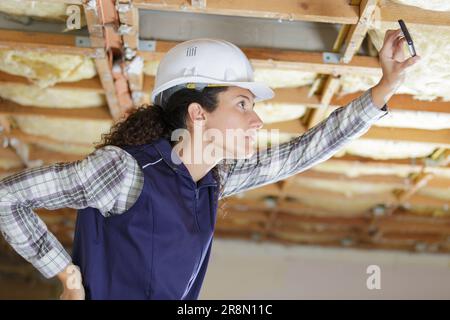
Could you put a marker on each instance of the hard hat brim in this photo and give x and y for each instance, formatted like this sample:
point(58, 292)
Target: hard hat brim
point(260, 90)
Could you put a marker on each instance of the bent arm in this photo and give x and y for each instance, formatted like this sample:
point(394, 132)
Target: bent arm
point(101, 180)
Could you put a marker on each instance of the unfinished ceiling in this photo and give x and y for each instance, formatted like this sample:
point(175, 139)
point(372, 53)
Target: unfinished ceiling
point(390, 189)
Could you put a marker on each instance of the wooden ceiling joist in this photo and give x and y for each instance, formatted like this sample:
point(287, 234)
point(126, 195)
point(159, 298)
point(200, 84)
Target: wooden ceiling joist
point(45, 42)
point(408, 134)
point(288, 59)
point(358, 31)
point(390, 12)
point(327, 11)
point(400, 102)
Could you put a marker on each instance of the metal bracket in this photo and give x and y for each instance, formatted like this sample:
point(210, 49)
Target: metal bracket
point(331, 57)
point(83, 42)
point(147, 45)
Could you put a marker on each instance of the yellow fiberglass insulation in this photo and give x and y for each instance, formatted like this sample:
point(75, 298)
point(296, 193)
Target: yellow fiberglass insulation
point(430, 78)
point(356, 169)
point(434, 5)
point(387, 149)
point(29, 95)
point(275, 112)
point(51, 11)
point(46, 69)
point(76, 131)
point(66, 148)
point(275, 78)
point(413, 119)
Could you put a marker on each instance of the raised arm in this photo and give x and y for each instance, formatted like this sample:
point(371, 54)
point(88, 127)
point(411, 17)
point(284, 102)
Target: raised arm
point(314, 146)
point(325, 139)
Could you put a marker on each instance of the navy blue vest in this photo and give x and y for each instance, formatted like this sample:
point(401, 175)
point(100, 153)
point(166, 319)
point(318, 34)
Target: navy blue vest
point(160, 247)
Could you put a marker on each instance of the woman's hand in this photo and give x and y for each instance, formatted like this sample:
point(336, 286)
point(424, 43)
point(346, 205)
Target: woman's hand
point(72, 283)
point(394, 65)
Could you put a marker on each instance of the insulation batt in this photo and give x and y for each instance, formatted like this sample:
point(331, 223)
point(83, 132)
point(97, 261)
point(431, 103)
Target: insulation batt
point(275, 78)
point(46, 69)
point(435, 5)
point(29, 95)
point(386, 149)
point(39, 9)
point(76, 131)
point(66, 148)
point(355, 169)
point(275, 112)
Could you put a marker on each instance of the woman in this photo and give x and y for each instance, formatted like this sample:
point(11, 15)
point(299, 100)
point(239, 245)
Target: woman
point(147, 198)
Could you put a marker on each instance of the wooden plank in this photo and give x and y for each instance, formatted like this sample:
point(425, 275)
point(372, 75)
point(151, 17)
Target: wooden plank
point(288, 59)
point(359, 30)
point(436, 182)
point(390, 12)
point(96, 113)
point(107, 80)
point(44, 42)
point(330, 89)
point(399, 102)
point(408, 134)
point(327, 11)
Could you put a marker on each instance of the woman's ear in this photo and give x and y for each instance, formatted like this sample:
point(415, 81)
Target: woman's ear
point(196, 112)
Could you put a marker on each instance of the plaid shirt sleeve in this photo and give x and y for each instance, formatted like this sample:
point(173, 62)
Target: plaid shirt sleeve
point(108, 179)
point(314, 146)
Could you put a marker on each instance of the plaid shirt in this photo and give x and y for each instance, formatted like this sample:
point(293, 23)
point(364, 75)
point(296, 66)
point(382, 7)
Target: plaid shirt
point(110, 180)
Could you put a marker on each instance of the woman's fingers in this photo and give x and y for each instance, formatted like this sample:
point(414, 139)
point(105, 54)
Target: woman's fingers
point(410, 62)
point(399, 54)
point(389, 42)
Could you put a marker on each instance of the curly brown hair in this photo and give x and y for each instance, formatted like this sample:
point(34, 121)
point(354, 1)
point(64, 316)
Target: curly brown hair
point(148, 123)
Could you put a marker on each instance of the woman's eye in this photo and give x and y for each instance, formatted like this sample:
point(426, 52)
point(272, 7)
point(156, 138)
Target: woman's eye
point(242, 105)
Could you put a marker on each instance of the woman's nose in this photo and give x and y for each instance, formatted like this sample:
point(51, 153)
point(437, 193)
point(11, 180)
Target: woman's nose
point(256, 121)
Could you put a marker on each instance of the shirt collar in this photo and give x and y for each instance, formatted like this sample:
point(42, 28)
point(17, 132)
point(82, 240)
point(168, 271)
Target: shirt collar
point(164, 148)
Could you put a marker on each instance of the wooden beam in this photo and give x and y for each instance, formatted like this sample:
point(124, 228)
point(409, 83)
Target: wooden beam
point(129, 19)
point(330, 89)
point(45, 42)
point(408, 134)
point(390, 12)
point(103, 24)
point(94, 113)
point(436, 182)
point(400, 102)
point(327, 11)
point(288, 59)
point(358, 31)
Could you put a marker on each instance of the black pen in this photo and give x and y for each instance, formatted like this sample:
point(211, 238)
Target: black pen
point(408, 38)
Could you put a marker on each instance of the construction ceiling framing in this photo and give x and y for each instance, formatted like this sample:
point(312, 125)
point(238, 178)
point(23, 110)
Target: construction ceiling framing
point(398, 203)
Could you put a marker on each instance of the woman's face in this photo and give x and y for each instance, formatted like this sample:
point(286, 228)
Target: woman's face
point(234, 123)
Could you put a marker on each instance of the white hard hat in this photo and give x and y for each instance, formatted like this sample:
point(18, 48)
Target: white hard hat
point(201, 62)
